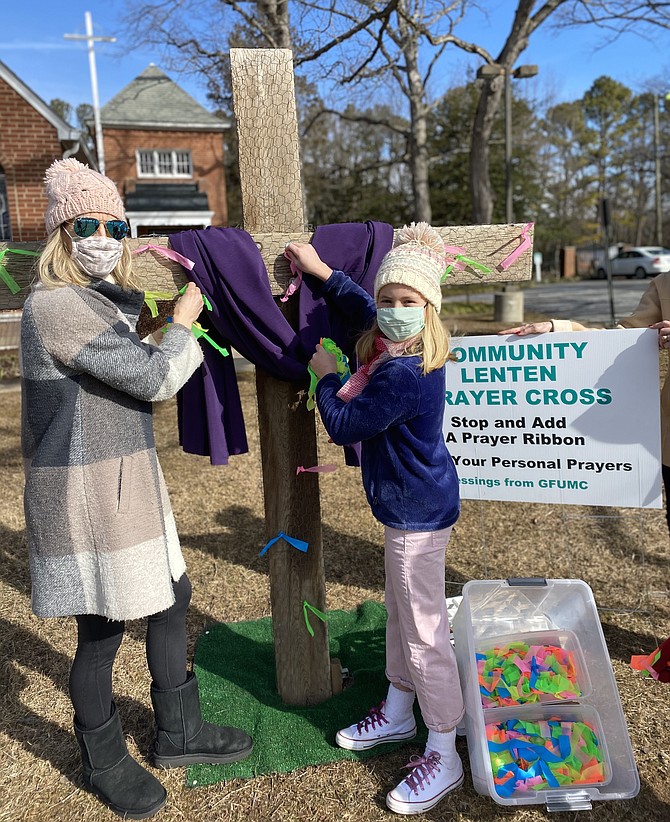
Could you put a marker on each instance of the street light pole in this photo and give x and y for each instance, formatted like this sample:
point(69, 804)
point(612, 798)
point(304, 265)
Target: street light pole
point(509, 205)
point(91, 40)
point(488, 71)
point(657, 169)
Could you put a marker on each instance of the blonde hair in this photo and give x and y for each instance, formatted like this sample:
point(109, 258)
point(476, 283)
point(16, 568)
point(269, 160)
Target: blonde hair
point(56, 268)
point(433, 344)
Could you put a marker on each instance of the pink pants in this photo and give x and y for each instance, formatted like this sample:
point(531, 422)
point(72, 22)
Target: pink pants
point(419, 654)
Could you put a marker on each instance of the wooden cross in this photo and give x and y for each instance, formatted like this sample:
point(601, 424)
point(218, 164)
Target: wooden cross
point(272, 201)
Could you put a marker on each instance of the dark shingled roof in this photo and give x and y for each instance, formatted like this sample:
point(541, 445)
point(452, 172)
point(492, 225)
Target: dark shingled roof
point(153, 100)
point(166, 197)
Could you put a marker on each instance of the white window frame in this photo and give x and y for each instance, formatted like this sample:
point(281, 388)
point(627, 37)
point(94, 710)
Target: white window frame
point(176, 156)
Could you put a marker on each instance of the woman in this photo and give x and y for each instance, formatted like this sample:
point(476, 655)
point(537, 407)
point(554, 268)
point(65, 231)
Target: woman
point(101, 535)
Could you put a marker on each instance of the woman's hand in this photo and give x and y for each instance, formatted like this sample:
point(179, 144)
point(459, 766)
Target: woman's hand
point(529, 328)
point(663, 333)
point(323, 362)
point(188, 307)
point(305, 257)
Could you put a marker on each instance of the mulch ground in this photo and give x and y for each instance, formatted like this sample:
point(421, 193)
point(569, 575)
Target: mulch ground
point(622, 554)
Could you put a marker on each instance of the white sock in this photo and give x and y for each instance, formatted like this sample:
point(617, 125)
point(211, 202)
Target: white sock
point(442, 743)
point(398, 708)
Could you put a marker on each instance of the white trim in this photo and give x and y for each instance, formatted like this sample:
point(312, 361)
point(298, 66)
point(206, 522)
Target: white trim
point(149, 218)
point(156, 163)
point(163, 126)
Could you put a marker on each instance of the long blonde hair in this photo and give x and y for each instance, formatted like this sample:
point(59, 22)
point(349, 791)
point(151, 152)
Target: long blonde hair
point(433, 344)
point(56, 268)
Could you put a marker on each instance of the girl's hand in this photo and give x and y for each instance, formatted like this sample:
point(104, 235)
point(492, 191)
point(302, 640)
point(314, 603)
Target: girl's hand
point(305, 257)
point(323, 362)
point(188, 307)
point(528, 328)
point(663, 333)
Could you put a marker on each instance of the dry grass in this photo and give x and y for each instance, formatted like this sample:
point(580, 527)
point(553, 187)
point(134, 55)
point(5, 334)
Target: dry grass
point(220, 516)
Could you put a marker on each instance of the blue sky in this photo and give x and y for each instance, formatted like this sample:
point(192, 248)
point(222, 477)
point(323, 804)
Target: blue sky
point(32, 46)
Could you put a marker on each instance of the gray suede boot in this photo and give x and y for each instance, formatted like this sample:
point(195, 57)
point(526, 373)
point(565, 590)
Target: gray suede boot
point(114, 776)
point(183, 738)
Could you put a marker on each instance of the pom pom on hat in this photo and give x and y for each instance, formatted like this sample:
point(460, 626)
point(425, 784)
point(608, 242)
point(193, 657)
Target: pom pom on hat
point(73, 188)
point(417, 260)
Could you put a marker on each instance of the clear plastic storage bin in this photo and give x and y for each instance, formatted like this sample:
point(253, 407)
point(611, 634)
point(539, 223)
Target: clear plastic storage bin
point(563, 610)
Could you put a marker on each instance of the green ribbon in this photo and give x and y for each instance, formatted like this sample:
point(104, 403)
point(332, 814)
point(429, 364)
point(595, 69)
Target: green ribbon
point(342, 366)
point(5, 276)
point(205, 300)
point(307, 607)
point(150, 298)
point(469, 263)
point(198, 331)
point(311, 391)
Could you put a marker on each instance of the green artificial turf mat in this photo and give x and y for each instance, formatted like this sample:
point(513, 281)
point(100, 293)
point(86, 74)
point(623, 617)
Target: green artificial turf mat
point(235, 667)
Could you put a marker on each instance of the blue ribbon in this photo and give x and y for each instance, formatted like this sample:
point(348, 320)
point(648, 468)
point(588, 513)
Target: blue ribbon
point(300, 544)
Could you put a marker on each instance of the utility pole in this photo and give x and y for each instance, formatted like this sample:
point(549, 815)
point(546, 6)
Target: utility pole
point(657, 169)
point(91, 40)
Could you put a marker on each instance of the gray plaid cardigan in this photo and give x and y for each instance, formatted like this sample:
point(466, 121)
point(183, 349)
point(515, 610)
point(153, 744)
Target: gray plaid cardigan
point(101, 534)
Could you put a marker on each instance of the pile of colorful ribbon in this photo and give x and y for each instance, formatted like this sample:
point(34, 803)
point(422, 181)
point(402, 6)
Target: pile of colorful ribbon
point(545, 754)
point(656, 664)
point(518, 673)
point(342, 365)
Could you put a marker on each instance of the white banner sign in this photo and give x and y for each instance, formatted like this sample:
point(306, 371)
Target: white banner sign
point(558, 418)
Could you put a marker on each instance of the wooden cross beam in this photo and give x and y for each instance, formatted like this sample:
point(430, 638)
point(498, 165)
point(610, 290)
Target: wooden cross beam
point(488, 244)
point(272, 201)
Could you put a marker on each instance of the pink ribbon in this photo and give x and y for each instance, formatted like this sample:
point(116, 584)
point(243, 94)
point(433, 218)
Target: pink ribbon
point(453, 251)
point(294, 285)
point(316, 469)
point(170, 253)
point(524, 245)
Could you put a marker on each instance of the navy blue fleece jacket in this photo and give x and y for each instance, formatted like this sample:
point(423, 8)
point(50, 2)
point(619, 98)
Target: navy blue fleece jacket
point(409, 477)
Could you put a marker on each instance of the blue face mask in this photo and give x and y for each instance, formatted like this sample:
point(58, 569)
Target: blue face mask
point(401, 323)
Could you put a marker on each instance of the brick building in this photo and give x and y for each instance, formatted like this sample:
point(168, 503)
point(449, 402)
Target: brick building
point(165, 153)
point(32, 136)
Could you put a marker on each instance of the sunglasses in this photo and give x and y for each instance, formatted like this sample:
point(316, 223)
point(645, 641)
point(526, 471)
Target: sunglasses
point(87, 226)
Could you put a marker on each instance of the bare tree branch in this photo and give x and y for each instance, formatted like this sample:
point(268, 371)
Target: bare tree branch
point(383, 15)
point(357, 118)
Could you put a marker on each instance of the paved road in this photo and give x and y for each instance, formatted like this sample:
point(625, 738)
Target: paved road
point(585, 300)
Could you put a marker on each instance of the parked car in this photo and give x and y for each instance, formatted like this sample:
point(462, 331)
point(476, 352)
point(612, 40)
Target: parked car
point(641, 261)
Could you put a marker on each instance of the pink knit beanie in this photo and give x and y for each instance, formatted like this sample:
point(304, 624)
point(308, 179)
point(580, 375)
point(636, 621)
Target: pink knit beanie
point(73, 188)
point(417, 259)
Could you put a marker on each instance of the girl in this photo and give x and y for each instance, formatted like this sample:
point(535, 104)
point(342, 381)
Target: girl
point(101, 535)
point(394, 405)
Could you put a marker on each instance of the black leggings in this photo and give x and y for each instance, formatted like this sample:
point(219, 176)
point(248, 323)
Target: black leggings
point(99, 639)
point(665, 470)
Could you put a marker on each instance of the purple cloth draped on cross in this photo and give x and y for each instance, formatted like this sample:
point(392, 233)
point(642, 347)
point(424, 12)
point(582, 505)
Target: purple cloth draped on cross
point(230, 271)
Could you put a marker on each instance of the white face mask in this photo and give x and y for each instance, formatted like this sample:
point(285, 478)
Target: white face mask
point(401, 323)
point(96, 256)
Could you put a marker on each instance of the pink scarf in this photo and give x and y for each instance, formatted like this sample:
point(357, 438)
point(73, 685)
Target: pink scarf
point(386, 350)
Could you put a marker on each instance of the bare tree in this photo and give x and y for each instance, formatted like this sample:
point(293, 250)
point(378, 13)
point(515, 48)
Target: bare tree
point(612, 16)
point(390, 45)
point(384, 38)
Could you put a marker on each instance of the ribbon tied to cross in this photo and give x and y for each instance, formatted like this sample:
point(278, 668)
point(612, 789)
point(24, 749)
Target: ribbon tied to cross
point(5, 276)
point(300, 544)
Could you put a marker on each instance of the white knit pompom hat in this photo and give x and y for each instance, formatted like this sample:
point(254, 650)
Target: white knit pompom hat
point(417, 259)
point(73, 188)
